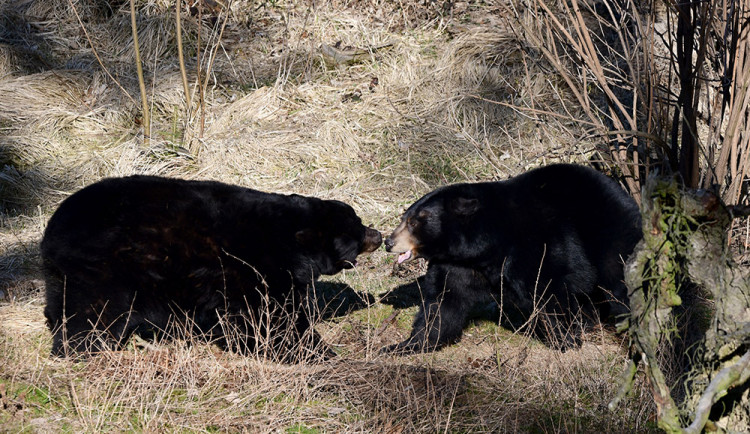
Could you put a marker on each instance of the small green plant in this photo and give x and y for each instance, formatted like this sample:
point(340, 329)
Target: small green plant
point(302, 429)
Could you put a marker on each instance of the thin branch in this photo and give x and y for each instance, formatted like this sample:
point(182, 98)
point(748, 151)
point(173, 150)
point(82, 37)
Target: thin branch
point(535, 111)
point(180, 55)
point(141, 81)
point(727, 378)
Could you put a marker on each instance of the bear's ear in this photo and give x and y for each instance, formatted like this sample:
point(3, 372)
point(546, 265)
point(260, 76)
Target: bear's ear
point(464, 207)
point(308, 237)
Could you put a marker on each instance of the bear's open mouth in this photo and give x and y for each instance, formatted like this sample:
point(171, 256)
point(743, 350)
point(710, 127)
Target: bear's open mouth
point(403, 257)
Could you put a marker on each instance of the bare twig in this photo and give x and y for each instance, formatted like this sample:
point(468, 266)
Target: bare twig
point(388, 321)
point(141, 81)
point(181, 56)
point(733, 375)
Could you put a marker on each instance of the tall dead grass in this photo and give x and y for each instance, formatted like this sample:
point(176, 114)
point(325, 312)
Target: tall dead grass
point(497, 382)
point(431, 115)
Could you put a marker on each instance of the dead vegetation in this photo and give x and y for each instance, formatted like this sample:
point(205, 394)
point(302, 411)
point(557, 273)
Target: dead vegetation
point(495, 381)
point(454, 97)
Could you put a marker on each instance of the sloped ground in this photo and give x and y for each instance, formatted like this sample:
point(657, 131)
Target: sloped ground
point(439, 92)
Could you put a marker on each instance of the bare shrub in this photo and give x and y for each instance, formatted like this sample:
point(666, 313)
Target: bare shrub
point(664, 81)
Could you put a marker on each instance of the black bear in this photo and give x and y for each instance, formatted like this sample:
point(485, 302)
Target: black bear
point(127, 255)
point(552, 240)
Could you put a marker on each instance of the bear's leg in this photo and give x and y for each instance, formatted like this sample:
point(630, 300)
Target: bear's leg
point(567, 309)
point(566, 300)
point(310, 346)
point(68, 335)
point(277, 329)
point(449, 294)
point(559, 327)
point(81, 333)
point(296, 339)
point(238, 332)
point(86, 315)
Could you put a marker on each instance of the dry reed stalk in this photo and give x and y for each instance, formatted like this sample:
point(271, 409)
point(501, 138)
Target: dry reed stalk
point(146, 116)
point(730, 131)
point(180, 55)
point(201, 100)
point(176, 380)
point(581, 65)
point(687, 111)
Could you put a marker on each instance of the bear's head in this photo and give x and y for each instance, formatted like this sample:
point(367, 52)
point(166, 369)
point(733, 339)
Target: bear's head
point(334, 236)
point(442, 225)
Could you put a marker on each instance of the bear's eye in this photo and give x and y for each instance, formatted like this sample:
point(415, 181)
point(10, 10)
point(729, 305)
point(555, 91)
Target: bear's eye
point(411, 222)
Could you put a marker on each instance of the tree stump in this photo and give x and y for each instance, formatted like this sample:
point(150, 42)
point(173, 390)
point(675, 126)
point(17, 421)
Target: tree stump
point(685, 248)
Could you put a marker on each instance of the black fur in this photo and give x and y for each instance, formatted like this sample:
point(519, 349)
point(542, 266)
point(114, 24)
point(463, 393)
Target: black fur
point(552, 240)
point(127, 255)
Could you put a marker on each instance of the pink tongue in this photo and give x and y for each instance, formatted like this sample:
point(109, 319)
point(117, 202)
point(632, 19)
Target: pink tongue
point(404, 256)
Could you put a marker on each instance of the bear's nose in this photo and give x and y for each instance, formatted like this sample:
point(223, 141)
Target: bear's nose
point(373, 238)
point(388, 244)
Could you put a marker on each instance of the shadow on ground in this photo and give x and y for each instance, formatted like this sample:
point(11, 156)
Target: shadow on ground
point(20, 275)
point(410, 294)
point(335, 299)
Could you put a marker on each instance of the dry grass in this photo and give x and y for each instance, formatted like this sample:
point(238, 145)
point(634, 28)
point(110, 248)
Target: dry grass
point(440, 105)
point(493, 381)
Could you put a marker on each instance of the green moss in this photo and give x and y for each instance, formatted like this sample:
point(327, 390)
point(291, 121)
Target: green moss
point(302, 429)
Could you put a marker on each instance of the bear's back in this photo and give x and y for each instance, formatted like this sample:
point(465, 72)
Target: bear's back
point(566, 195)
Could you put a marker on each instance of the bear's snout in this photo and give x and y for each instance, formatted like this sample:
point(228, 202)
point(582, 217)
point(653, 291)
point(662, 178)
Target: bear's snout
point(400, 241)
point(388, 244)
point(373, 239)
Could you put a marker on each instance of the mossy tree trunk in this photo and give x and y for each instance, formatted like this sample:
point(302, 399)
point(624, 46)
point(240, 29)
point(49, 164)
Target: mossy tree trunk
point(685, 249)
